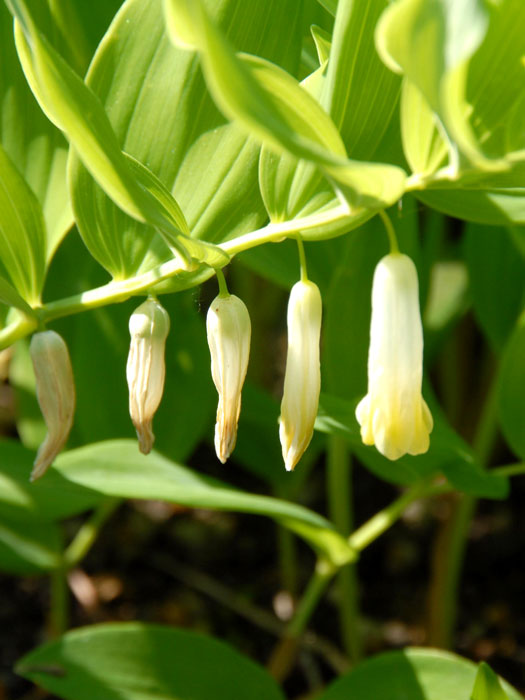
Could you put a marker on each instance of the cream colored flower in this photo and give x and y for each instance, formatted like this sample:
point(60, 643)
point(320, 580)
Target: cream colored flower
point(302, 380)
point(229, 331)
point(55, 391)
point(394, 415)
point(149, 326)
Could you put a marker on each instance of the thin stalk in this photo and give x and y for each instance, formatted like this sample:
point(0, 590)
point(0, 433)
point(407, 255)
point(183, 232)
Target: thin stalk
point(392, 238)
point(452, 542)
point(302, 259)
point(88, 533)
point(287, 554)
point(339, 488)
point(382, 521)
point(59, 602)
point(223, 287)
point(283, 656)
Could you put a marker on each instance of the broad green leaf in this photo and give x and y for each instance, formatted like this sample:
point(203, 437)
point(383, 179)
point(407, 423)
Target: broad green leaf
point(360, 93)
point(432, 43)
point(269, 103)
point(411, 674)
point(117, 468)
point(211, 168)
point(35, 146)
point(10, 297)
point(497, 206)
point(72, 106)
point(22, 233)
point(135, 661)
point(48, 499)
point(512, 390)
point(497, 280)
point(425, 149)
point(28, 546)
point(487, 685)
point(329, 5)
point(448, 453)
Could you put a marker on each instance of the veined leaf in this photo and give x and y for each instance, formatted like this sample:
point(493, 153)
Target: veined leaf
point(432, 44)
point(136, 661)
point(272, 105)
point(116, 468)
point(70, 104)
point(175, 129)
point(411, 674)
point(37, 149)
point(22, 233)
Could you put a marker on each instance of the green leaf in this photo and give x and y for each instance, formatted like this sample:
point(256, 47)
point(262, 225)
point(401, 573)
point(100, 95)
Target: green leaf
point(137, 661)
point(37, 149)
point(49, 499)
point(412, 674)
point(28, 546)
point(72, 106)
point(117, 468)
point(448, 453)
point(432, 43)
point(212, 167)
point(360, 93)
point(10, 297)
point(497, 280)
point(496, 206)
point(512, 390)
point(269, 103)
point(425, 149)
point(22, 233)
point(487, 685)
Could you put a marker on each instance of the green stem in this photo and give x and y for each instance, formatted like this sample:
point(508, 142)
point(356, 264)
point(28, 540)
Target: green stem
point(287, 553)
point(302, 259)
point(223, 287)
point(120, 290)
point(449, 552)
point(59, 603)
point(283, 656)
point(392, 238)
point(339, 488)
point(510, 469)
point(88, 533)
point(382, 521)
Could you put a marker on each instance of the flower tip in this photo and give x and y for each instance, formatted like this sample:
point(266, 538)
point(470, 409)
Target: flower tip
point(145, 437)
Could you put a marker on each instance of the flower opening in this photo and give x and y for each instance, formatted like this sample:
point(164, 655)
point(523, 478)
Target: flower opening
point(393, 415)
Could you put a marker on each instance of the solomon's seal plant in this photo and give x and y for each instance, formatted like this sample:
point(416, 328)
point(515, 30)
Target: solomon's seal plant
point(148, 148)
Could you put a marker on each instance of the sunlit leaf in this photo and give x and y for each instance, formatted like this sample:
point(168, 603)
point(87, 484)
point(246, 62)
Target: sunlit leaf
point(22, 233)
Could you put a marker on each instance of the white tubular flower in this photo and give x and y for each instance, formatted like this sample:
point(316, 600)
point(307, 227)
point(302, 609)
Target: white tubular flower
point(149, 326)
point(55, 391)
point(302, 380)
point(394, 415)
point(229, 330)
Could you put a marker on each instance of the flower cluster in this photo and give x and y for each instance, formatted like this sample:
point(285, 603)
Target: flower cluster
point(393, 415)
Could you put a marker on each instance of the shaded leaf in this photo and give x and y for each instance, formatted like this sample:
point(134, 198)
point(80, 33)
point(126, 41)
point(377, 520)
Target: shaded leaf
point(135, 661)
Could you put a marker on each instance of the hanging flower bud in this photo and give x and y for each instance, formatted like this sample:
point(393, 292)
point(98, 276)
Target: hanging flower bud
point(55, 391)
point(302, 380)
point(394, 415)
point(149, 326)
point(229, 329)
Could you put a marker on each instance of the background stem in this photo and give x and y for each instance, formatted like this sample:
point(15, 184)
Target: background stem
point(340, 502)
